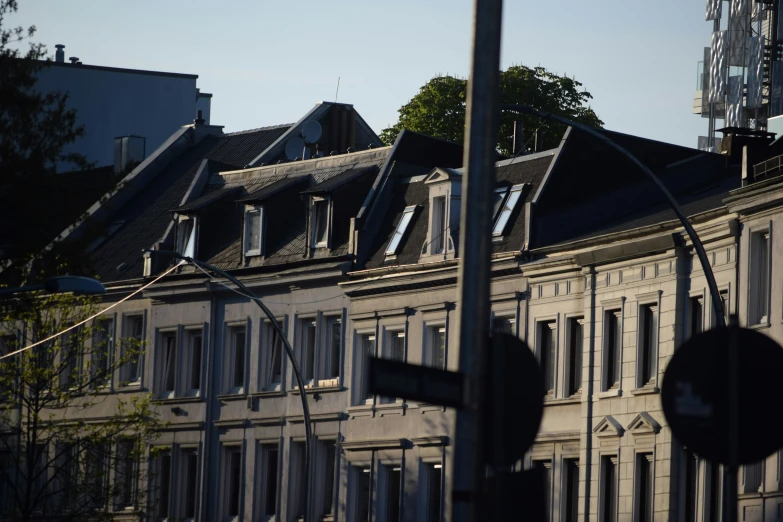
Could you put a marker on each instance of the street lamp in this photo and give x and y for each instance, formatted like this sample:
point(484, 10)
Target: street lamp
point(289, 352)
point(62, 284)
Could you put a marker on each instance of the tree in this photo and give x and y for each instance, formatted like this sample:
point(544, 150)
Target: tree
point(35, 129)
point(438, 109)
point(68, 446)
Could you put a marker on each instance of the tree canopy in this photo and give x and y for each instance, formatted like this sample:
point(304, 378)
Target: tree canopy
point(438, 109)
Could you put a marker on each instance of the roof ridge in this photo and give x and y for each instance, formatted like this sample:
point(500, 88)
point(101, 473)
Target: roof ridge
point(248, 131)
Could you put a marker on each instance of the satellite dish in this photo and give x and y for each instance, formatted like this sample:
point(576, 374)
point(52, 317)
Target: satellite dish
point(293, 148)
point(311, 132)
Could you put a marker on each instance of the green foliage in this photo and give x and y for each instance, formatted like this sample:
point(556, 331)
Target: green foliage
point(61, 428)
point(438, 109)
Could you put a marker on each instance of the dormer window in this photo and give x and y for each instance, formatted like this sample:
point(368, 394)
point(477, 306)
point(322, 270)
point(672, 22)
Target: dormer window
point(506, 201)
point(319, 223)
point(254, 230)
point(186, 236)
point(445, 188)
point(438, 225)
point(402, 228)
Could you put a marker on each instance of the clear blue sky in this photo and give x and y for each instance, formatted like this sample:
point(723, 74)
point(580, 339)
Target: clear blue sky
point(269, 62)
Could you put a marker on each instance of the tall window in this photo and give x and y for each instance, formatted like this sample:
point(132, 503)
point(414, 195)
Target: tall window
point(648, 351)
point(504, 324)
point(571, 492)
point(396, 349)
point(438, 226)
point(253, 230)
point(168, 364)
point(102, 349)
point(713, 488)
point(436, 340)
point(434, 476)
point(759, 278)
point(547, 352)
point(689, 488)
point(70, 358)
point(329, 450)
point(125, 474)
point(367, 344)
point(96, 473)
point(134, 328)
point(752, 477)
point(186, 237)
point(274, 351)
point(298, 478)
point(162, 479)
point(189, 483)
point(236, 360)
point(308, 349)
point(575, 349)
point(608, 488)
point(194, 340)
point(7, 468)
point(545, 468)
point(696, 315)
point(399, 232)
point(363, 482)
point(509, 203)
point(320, 223)
point(613, 348)
point(393, 490)
point(644, 487)
point(232, 480)
point(269, 462)
point(334, 333)
point(724, 297)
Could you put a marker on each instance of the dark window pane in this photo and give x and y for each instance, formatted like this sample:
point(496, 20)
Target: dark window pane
point(329, 481)
point(575, 347)
point(234, 477)
point(363, 495)
point(393, 495)
point(191, 472)
point(270, 480)
point(239, 359)
point(195, 362)
point(572, 491)
point(165, 485)
point(434, 490)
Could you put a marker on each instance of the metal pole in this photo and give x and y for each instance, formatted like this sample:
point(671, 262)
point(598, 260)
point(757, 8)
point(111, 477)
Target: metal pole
point(481, 134)
point(289, 351)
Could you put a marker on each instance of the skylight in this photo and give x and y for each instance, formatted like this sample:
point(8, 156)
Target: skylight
point(507, 208)
point(402, 227)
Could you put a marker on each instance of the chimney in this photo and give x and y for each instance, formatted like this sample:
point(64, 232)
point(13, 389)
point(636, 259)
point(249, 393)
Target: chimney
point(199, 120)
point(129, 151)
point(74, 60)
point(59, 54)
point(539, 139)
point(519, 131)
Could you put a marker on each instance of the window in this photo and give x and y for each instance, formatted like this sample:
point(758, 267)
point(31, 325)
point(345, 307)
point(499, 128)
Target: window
point(504, 324)
point(308, 350)
point(194, 354)
point(396, 347)
point(724, 297)
point(575, 348)
point(759, 275)
point(697, 315)
point(752, 477)
point(689, 488)
point(547, 353)
point(269, 463)
point(545, 468)
point(134, 328)
point(613, 348)
point(274, 351)
point(298, 478)
point(96, 473)
point(334, 333)
point(102, 349)
point(436, 342)
point(67, 477)
point(329, 450)
point(399, 232)
point(40, 469)
point(510, 202)
point(167, 357)
point(7, 471)
point(392, 493)
point(363, 482)
point(253, 230)
point(232, 478)
point(236, 361)
point(434, 483)
point(713, 488)
point(648, 351)
point(438, 225)
point(571, 491)
point(162, 481)
point(186, 237)
point(125, 474)
point(644, 487)
point(189, 483)
point(70, 359)
point(608, 488)
point(367, 345)
point(320, 223)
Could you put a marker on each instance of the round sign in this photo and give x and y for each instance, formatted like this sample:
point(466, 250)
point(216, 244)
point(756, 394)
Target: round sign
point(695, 393)
point(516, 391)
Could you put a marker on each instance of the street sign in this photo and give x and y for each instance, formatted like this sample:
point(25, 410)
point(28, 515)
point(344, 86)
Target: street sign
point(414, 382)
point(516, 399)
point(695, 394)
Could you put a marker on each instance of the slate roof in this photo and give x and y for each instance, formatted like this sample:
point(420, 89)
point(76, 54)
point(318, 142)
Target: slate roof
point(148, 215)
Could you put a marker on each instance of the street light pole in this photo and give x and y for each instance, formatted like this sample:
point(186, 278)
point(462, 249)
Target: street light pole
point(289, 352)
point(473, 279)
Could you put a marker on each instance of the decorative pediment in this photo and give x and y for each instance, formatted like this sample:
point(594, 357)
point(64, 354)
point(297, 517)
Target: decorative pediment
point(439, 175)
point(609, 427)
point(644, 424)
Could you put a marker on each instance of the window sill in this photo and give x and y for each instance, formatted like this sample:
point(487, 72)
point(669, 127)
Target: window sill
point(317, 389)
point(755, 494)
point(616, 392)
point(646, 390)
point(268, 393)
point(759, 326)
point(552, 401)
point(232, 397)
point(176, 400)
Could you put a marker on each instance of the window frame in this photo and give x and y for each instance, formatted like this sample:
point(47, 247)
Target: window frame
point(499, 224)
point(362, 385)
point(267, 354)
point(325, 371)
point(425, 507)
point(246, 239)
point(161, 372)
point(386, 484)
point(639, 495)
point(758, 277)
point(511, 318)
point(182, 487)
point(573, 353)
point(400, 230)
point(108, 350)
point(187, 247)
point(265, 448)
point(317, 202)
point(614, 387)
point(647, 347)
point(696, 313)
point(548, 328)
point(307, 361)
point(232, 328)
point(566, 487)
point(156, 477)
point(119, 504)
point(437, 237)
point(227, 450)
point(358, 470)
point(612, 515)
point(125, 377)
point(189, 333)
point(431, 330)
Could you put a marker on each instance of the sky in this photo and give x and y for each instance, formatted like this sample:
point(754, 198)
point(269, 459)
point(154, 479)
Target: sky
point(268, 63)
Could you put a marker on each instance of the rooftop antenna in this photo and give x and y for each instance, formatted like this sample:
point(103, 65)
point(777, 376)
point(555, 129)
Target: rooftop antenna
point(338, 90)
